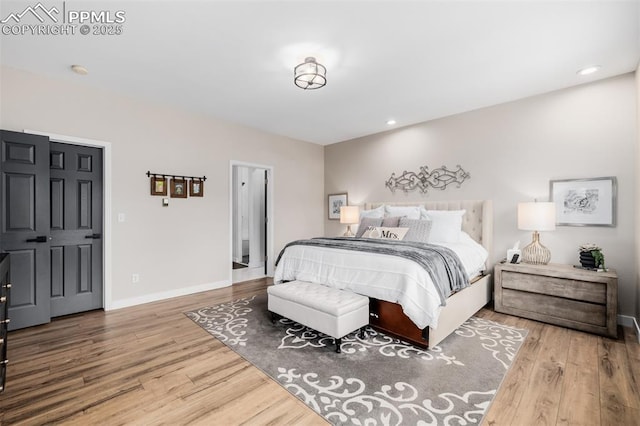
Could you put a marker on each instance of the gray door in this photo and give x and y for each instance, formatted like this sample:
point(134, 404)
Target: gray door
point(76, 228)
point(24, 194)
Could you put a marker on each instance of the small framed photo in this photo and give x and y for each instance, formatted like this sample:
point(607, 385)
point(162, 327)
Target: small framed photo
point(335, 202)
point(178, 188)
point(584, 202)
point(158, 185)
point(196, 188)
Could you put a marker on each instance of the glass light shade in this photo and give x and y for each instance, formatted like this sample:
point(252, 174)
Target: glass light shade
point(537, 216)
point(349, 215)
point(310, 74)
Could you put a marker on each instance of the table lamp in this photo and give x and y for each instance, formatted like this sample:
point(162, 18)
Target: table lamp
point(349, 215)
point(536, 217)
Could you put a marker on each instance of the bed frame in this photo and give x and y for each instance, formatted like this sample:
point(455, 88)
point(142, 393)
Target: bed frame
point(389, 317)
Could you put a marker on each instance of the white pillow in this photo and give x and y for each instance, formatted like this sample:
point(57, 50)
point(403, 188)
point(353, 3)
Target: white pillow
point(377, 213)
point(385, 233)
point(446, 225)
point(410, 212)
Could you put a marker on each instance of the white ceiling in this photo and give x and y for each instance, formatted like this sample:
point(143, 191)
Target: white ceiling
point(413, 61)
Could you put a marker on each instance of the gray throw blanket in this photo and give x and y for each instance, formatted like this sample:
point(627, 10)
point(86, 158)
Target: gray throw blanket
point(442, 264)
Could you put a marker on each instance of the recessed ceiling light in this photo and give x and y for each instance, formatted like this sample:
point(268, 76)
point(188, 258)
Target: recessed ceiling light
point(588, 70)
point(391, 122)
point(79, 69)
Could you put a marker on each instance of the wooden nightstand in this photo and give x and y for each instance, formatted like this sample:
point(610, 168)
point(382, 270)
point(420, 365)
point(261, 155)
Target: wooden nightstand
point(559, 294)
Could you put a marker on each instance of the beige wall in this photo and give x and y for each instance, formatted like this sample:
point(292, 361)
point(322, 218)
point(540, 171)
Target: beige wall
point(512, 151)
point(188, 243)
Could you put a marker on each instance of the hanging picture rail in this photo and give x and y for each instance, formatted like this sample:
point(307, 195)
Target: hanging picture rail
point(424, 179)
point(179, 187)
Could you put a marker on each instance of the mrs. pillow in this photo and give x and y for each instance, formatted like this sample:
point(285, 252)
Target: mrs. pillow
point(384, 233)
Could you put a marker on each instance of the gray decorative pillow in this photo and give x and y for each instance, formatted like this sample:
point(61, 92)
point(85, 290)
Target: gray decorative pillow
point(366, 223)
point(391, 222)
point(419, 230)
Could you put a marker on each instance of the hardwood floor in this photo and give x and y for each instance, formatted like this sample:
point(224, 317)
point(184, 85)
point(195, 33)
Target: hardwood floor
point(150, 364)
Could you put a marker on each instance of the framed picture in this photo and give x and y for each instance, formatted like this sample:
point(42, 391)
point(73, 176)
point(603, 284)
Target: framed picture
point(196, 188)
point(584, 202)
point(335, 202)
point(178, 188)
point(158, 185)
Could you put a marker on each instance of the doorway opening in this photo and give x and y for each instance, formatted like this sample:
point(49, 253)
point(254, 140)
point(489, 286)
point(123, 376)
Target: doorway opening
point(250, 227)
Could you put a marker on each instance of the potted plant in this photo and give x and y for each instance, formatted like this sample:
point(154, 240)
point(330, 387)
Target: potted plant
point(591, 256)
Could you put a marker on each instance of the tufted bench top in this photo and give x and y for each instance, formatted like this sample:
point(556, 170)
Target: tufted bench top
point(320, 297)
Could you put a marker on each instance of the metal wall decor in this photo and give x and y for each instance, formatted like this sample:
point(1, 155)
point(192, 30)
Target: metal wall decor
point(425, 179)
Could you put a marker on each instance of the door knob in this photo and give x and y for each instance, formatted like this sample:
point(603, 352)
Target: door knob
point(93, 236)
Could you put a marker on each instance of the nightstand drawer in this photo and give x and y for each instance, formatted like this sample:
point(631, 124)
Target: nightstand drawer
point(561, 287)
point(541, 305)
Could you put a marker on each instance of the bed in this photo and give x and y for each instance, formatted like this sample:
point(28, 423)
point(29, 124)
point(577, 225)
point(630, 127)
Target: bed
point(415, 318)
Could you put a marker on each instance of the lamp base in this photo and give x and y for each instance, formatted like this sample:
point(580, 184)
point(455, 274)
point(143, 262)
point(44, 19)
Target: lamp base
point(535, 253)
point(349, 233)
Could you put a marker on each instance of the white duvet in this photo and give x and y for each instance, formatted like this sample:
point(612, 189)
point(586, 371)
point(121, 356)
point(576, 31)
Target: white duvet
point(391, 278)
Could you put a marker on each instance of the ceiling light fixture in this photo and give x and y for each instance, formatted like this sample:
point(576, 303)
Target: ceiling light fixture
point(589, 70)
point(79, 69)
point(310, 75)
point(391, 122)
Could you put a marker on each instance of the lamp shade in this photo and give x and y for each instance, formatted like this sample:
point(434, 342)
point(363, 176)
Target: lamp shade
point(349, 215)
point(537, 216)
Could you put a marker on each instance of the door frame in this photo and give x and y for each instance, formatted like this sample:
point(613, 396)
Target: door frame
point(106, 204)
point(270, 204)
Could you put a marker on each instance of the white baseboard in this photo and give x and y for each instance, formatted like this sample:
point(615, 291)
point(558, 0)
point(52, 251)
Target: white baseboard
point(629, 321)
point(154, 297)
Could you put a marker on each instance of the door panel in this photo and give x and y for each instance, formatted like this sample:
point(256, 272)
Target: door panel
point(24, 194)
point(20, 194)
point(76, 222)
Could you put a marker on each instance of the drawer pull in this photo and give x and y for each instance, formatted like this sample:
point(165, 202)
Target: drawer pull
point(7, 285)
point(3, 299)
point(1, 341)
point(5, 321)
point(372, 314)
point(5, 362)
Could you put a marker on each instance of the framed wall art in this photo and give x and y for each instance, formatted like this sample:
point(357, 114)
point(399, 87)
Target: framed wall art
point(178, 188)
point(335, 202)
point(584, 202)
point(158, 185)
point(196, 188)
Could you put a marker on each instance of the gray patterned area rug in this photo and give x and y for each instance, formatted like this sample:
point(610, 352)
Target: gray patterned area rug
point(377, 380)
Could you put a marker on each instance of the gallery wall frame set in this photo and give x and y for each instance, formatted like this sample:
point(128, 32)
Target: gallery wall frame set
point(585, 202)
point(179, 186)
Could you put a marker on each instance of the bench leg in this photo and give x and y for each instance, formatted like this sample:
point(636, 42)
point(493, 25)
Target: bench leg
point(338, 343)
point(274, 317)
point(363, 333)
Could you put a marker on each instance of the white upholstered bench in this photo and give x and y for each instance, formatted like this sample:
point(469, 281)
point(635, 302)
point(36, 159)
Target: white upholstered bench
point(328, 310)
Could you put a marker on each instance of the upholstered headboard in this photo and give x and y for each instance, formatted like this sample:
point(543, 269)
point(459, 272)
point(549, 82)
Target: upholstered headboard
point(477, 221)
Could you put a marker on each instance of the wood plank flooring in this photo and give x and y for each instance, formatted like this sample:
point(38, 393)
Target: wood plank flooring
point(150, 364)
